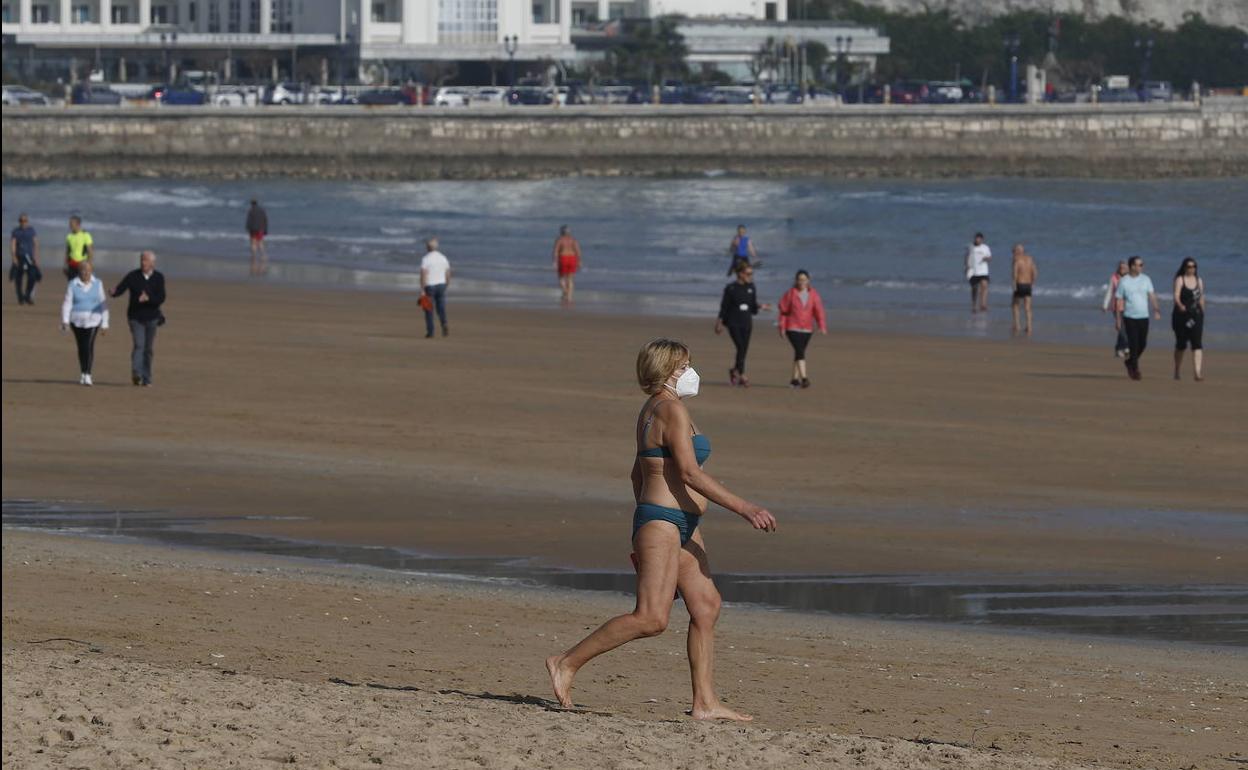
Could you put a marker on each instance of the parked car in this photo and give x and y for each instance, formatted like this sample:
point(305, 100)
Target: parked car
point(865, 94)
point(94, 93)
point(286, 93)
point(529, 95)
point(1118, 95)
point(490, 95)
point(732, 95)
point(380, 97)
point(21, 96)
point(909, 92)
point(178, 96)
point(939, 92)
point(232, 96)
point(451, 97)
point(1156, 91)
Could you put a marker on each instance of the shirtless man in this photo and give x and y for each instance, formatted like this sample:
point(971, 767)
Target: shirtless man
point(567, 261)
point(1024, 276)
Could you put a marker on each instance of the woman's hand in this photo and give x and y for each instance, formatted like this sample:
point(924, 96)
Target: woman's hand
point(759, 517)
point(719, 327)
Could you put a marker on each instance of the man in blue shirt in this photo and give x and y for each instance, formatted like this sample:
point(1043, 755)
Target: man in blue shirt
point(24, 248)
point(1134, 296)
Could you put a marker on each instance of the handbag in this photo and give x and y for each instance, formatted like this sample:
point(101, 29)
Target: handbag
point(426, 303)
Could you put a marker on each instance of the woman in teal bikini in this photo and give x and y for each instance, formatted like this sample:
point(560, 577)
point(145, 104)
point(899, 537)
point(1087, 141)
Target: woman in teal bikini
point(671, 491)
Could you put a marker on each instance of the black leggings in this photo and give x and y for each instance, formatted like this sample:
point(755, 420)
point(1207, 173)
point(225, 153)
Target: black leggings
point(741, 338)
point(86, 347)
point(799, 341)
point(1137, 339)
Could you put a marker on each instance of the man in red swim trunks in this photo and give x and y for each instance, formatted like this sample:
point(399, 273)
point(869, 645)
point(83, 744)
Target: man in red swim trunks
point(257, 228)
point(567, 260)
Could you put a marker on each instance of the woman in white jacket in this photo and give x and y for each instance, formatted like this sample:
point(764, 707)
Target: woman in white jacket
point(1110, 305)
point(85, 311)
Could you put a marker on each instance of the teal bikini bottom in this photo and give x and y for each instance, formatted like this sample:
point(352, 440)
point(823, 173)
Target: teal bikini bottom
point(685, 522)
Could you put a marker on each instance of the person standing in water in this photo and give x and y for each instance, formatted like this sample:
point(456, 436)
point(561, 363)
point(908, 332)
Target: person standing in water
point(257, 228)
point(85, 311)
point(671, 492)
point(801, 310)
point(737, 309)
point(1188, 317)
point(1135, 294)
point(1025, 272)
point(978, 255)
point(566, 257)
point(1111, 303)
point(741, 250)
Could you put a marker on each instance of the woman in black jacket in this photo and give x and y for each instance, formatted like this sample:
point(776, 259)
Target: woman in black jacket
point(736, 313)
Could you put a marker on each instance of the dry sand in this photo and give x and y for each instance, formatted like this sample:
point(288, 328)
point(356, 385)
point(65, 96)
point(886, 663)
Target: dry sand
point(192, 659)
point(514, 436)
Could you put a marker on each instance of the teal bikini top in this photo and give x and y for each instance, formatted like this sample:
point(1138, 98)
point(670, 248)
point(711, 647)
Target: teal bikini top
point(701, 445)
point(701, 449)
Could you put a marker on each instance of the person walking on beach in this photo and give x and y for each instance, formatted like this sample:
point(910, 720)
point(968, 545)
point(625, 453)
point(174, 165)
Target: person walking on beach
point(978, 255)
point(741, 250)
point(671, 492)
point(24, 249)
point(1135, 295)
point(147, 293)
point(1025, 272)
point(79, 247)
point(1111, 302)
point(801, 310)
point(435, 276)
point(567, 261)
point(1188, 317)
point(737, 309)
point(85, 312)
point(257, 228)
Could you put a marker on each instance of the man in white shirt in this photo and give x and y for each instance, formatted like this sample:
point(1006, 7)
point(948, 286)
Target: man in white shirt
point(435, 276)
point(978, 255)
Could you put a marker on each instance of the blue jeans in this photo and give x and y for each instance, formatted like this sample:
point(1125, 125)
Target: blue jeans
point(437, 293)
point(144, 335)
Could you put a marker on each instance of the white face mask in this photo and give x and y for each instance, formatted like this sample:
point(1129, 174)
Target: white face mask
point(687, 384)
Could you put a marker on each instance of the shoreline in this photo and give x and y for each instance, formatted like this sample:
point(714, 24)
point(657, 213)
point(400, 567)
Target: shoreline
point(295, 633)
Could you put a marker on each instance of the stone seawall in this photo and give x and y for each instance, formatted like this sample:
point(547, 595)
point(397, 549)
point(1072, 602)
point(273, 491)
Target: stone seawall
point(1133, 141)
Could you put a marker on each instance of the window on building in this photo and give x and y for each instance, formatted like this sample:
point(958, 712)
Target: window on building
point(40, 14)
point(80, 14)
point(8, 14)
point(546, 11)
point(468, 21)
point(121, 14)
point(214, 17)
point(235, 16)
point(190, 11)
point(253, 16)
point(769, 11)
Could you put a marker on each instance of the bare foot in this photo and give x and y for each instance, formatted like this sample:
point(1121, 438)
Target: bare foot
point(560, 682)
point(720, 711)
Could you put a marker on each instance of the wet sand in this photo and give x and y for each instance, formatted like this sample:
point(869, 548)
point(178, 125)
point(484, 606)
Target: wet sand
point(514, 437)
point(120, 655)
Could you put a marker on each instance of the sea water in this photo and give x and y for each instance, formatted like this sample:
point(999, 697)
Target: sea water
point(884, 254)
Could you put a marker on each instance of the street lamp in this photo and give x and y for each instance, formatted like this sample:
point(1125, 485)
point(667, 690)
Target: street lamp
point(1145, 47)
point(1012, 43)
point(510, 43)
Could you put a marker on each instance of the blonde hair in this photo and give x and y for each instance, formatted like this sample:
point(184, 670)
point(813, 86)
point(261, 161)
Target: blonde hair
point(657, 361)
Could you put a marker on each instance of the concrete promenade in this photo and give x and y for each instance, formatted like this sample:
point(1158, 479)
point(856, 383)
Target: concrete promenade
point(1068, 140)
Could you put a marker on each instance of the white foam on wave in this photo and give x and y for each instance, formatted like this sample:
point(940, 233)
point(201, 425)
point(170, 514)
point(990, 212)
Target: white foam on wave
point(180, 197)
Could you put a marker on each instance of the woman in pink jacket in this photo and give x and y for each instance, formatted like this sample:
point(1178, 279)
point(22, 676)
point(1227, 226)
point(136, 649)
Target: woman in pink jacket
point(801, 310)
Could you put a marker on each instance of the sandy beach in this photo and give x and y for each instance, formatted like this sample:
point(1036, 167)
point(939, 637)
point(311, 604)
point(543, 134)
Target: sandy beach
point(514, 437)
point(184, 658)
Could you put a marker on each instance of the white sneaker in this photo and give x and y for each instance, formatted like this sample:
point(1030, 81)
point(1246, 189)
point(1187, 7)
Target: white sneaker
point(86, 379)
point(82, 379)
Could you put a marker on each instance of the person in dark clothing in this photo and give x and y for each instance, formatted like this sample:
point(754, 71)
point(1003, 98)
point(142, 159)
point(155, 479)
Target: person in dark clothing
point(257, 228)
point(24, 249)
point(1188, 317)
point(147, 293)
point(736, 313)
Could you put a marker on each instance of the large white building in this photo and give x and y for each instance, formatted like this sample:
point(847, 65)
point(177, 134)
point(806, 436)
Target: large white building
point(394, 31)
point(590, 11)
